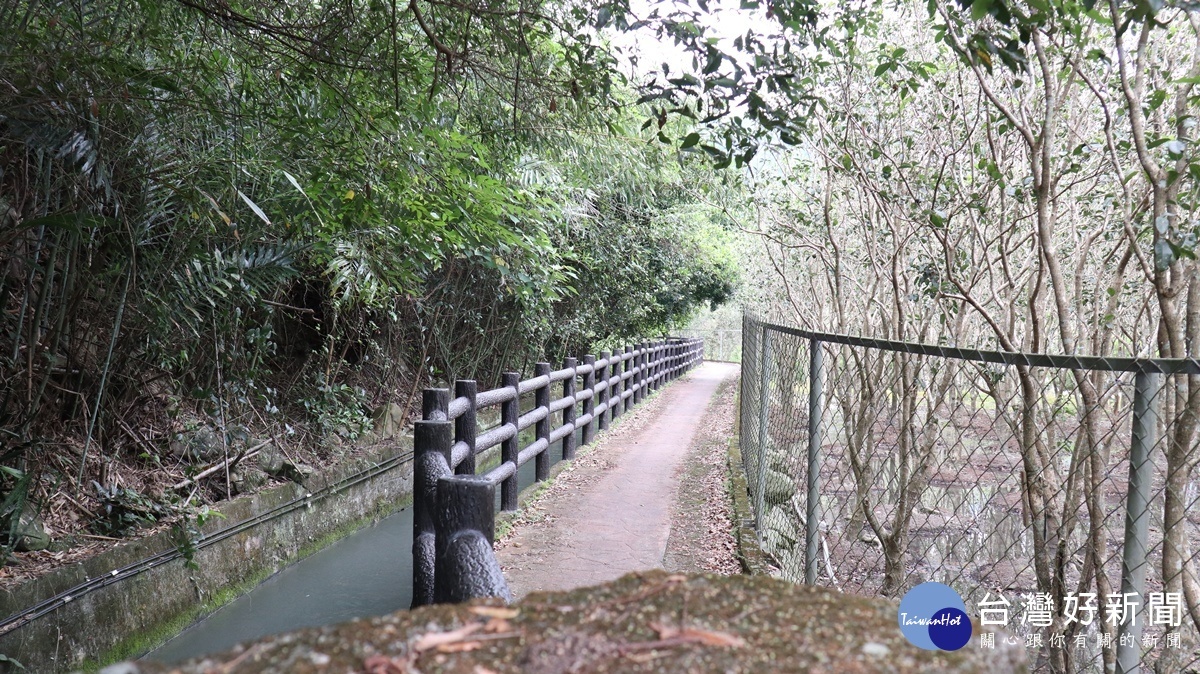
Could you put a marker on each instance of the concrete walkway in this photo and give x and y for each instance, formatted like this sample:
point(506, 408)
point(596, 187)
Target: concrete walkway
point(613, 512)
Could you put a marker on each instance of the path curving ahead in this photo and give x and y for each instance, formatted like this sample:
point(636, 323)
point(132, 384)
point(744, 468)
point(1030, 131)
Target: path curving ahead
point(611, 514)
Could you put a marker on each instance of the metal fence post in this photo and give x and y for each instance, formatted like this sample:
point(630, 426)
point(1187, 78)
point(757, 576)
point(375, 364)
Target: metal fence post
point(1137, 513)
point(764, 385)
point(466, 427)
point(541, 399)
point(812, 528)
point(510, 413)
point(431, 457)
point(568, 442)
point(589, 405)
point(606, 395)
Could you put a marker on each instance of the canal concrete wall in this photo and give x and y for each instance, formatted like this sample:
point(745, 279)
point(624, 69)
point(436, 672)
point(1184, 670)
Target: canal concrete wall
point(132, 615)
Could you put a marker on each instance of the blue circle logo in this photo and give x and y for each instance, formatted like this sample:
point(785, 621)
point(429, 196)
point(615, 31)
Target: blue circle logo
point(933, 617)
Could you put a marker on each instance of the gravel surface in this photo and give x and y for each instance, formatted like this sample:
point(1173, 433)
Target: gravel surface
point(702, 537)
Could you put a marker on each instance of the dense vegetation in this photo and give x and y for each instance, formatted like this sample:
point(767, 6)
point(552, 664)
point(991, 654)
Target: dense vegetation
point(267, 219)
point(277, 218)
point(1018, 176)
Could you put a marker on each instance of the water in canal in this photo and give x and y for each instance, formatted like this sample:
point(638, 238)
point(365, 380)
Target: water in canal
point(367, 573)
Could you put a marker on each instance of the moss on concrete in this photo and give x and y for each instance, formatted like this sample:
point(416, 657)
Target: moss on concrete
point(754, 561)
point(138, 644)
point(141, 611)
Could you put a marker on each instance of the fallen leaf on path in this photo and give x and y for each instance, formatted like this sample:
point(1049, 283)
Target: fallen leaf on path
point(381, 664)
point(459, 647)
point(697, 635)
point(495, 611)
point(436, 639)
point(497, 625)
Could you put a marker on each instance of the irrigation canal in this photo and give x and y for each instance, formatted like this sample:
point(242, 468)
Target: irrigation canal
point(367, 573)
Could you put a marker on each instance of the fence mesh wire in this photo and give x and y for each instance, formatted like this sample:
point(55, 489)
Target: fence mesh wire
point(1007, 482)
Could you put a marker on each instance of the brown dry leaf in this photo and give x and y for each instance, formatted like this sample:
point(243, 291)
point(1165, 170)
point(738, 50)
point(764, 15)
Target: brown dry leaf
point(381, 664)
point(698, 635)
point(664, 631)
point(459, 647)
point(433, 640)
point(643, 658)
point(495, 611)
point(711, 637)
point(676, 578)
point(497, 625)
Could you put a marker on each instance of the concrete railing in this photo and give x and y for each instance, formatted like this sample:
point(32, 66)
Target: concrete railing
point(454, 509)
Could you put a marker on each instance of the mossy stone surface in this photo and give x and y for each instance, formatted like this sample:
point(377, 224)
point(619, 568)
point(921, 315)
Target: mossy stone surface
point(643, 622)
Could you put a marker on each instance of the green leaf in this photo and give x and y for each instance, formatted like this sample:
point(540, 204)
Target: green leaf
point(1157, 98)
point(254, 207)
point(979, 9)
point(292, 180)
point(690, 141)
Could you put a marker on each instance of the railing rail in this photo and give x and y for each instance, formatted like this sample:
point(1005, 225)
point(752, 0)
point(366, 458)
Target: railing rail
point(447, 540)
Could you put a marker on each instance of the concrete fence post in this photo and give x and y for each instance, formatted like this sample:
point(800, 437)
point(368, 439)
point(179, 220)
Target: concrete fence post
point(466, 525)
point(589, 405)
point(568, 446)
point(541, 399)
point(606, 394)
point(435, 402)
point(431, 462)
point(466, 426)
point(510, 413)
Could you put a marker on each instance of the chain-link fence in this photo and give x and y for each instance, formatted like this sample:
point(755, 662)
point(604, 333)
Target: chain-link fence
point(1006, 476)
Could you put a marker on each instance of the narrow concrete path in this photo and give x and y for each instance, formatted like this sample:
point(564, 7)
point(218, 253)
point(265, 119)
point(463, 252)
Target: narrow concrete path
point(611, 512)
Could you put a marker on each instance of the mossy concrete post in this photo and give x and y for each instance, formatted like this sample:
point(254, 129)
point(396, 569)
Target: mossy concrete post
point(589, 404)
point(659, 364)
point(510, 413)
point(606, 392)
point(568, 419)
point(466, 426)
point(617, 398)
point(466, 531)
point(435, 402)
point(639, 378)
point(431, 450)
point(541, 399)
point(630, 363)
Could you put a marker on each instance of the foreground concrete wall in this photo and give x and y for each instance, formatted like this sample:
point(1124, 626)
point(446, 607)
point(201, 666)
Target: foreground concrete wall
point(642, 623)
point(133, 614)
